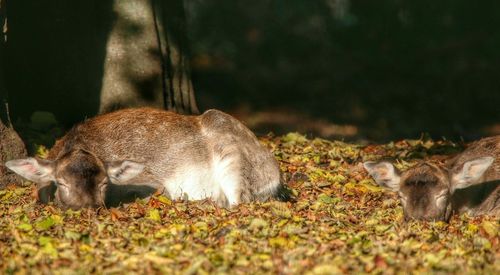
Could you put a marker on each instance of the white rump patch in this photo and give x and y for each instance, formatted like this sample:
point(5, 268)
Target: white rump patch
point(193, 182)
point(227, 175)
point(201, 181)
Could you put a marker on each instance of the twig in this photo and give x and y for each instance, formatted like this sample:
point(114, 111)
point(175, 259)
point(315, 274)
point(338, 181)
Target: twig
point(7, 112)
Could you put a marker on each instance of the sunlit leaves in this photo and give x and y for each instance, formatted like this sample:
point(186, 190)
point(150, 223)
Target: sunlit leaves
point(341, 222)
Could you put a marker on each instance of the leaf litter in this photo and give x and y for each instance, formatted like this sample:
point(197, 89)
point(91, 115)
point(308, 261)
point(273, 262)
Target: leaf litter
point(341, 222)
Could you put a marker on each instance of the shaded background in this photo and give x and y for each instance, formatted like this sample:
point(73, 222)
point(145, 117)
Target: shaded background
point(370, 70)
point(394, 69)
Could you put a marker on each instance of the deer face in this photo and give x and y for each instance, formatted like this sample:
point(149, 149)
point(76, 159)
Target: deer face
point(425, 190)
point(80, 177)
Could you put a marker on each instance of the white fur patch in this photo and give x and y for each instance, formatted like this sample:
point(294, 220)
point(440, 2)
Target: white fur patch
point(199, 182)
point(440, 198)
point(195, 182)
point(227, 176)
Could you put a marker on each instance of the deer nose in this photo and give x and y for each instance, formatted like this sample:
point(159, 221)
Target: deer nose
point(423, 201)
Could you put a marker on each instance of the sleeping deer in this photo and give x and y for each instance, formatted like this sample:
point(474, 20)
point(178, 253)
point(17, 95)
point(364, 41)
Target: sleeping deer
point(195, 157)
point(468, 182)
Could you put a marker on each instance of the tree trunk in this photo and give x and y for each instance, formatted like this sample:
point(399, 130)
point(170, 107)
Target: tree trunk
point(146, 60)
point(78, 58)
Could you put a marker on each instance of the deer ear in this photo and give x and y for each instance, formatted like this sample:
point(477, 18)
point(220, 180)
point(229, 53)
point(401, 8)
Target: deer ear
point(471, 173)
point(384, 174)
point(122, 171)
point(32, 169)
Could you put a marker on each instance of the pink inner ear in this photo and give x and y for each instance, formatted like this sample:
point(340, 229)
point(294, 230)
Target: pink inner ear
point(29, 167)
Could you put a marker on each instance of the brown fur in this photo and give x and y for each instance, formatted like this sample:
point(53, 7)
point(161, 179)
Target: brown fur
point(420, 186)
point(485, 198)
point(167, 144)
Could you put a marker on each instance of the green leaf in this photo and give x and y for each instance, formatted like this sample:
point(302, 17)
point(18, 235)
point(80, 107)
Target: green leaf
point(72, 235)
point(382, 228)
point(44, 224)
point(324, 198)
point(43, 240)
point(294, 138)
point(25, 226)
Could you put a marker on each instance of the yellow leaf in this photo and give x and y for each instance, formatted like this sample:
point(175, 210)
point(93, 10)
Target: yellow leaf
point(278, 242)
point(154, 215)
point(490, 228)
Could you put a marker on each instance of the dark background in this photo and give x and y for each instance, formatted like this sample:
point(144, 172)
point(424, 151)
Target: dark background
point(375, 70)
point(394, 69)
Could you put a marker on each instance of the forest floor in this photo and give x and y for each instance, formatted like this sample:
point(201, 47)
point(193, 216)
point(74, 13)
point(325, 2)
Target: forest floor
point(340, 223)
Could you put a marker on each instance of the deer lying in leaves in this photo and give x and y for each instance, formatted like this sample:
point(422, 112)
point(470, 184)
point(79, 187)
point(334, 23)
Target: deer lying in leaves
point(468, 182)
point(196, 157)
